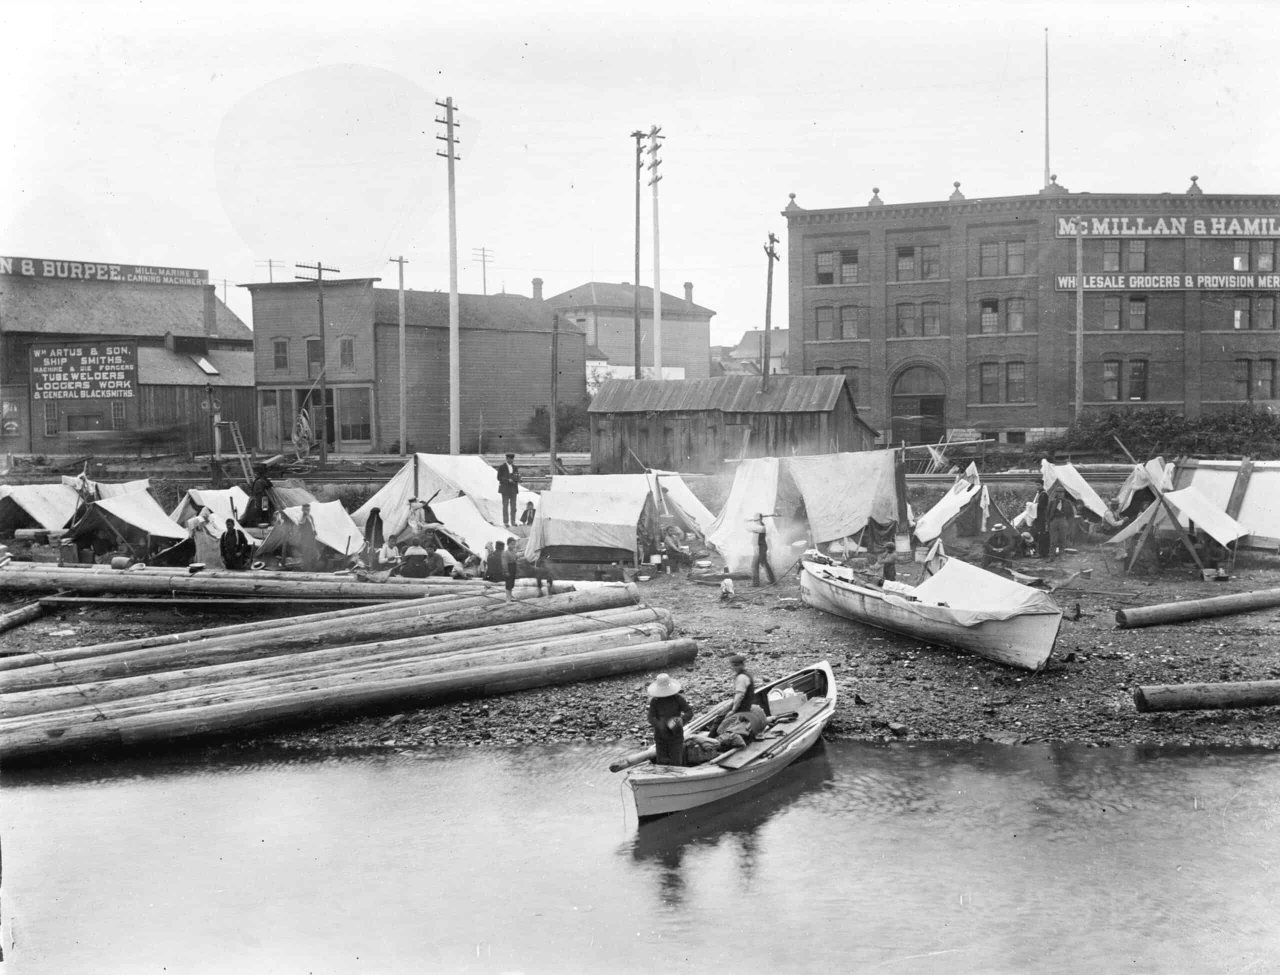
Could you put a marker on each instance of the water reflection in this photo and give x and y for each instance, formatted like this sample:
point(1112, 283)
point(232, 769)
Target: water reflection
point(667, 846)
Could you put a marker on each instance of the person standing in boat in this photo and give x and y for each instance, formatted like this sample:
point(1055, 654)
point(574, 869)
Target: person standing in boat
point(668, 714)
point(757, 528)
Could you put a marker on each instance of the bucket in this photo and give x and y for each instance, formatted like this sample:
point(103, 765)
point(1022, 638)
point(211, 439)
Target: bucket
point(120, 562)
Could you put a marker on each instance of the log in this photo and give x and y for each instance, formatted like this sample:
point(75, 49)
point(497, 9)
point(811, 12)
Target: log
point(241, 717)
point(100, 701)
point(1207, 697)
point(247, 604)
point(474, 613)
point(23, 614)
point(1194, 609)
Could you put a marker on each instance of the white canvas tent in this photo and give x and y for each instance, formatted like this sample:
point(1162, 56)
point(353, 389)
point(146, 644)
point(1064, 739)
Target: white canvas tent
point(135, 520)
point(224, 504)
point(754, 490)
point(675, 498)
point(49, 506)
point(462, 518)
point(437, 478)
point(335, 531)
point(1250, 489)
point(966, 494)
point(1190, 506)
point(1076, 486)
point(1141, 479)
point(602, 512)
point(96, 490)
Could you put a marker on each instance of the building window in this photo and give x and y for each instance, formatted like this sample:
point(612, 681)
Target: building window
point(1137, 255)
point(931, 262)
point(1264, 313)
point(347, 352)
point(851, 380)
point(1016, 436)
point(908, 324)
point(315, 361)
point(1017, 257)
point(1266, 255)
point(1255, 379)
point(989, 382)
point(1240, 313)
point(1111, 379)
point(824, 371)
point(1111, 313)
point(1016, 312)
point(1015, 382)
point(117, 414)
point(1240, 259)
point(280, 354)
point(354, 415)
point(848, 267)
point(906, 264)
point(989, 260)
point(1111, 255)
point(989, 316)
point(849, 321)
point(826, 267)
point(1137, 379)
point(51, 419)
point(824, 318)
point(931, 318)
point(1137, 314)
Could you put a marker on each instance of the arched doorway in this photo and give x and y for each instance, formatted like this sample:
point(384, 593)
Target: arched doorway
point(919, 406)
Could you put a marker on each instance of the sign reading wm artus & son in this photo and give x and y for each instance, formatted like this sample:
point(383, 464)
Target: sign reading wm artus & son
point(1147, 225)
point(84, 371)
point(36, 267)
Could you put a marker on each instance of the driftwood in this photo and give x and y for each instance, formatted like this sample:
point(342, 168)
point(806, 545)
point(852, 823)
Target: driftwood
point(162, 727)
point(1193, 609)
point(1206, 697)
point(23, 614)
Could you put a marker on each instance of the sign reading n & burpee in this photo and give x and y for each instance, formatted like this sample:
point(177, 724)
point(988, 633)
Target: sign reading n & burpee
point(82, 371)
point(38, 267)
point(1148, 225)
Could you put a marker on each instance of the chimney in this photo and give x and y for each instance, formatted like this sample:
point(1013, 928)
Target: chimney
point(537, 289)
point(688, 292)
point(211, 310)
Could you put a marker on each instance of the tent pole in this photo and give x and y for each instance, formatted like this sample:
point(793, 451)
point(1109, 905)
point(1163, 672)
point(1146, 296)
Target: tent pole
point(1168, 508)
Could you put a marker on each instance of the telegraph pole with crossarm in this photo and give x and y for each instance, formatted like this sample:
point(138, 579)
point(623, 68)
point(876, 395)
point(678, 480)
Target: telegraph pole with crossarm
point(322, 419)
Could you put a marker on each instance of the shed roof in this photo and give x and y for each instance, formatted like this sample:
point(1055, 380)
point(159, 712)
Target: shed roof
point(728, 394)
point(161, 367)
point(606, 294)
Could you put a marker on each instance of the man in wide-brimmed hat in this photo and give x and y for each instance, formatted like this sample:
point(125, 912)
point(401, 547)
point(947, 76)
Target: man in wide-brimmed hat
point(668, 714)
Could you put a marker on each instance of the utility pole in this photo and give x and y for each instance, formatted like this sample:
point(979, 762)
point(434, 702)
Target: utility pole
point(455, 368)
point(404, 423)
point(484, 256)
point(270, 265)
point(654, 139)
point(771, 250)
point(1079, 317)
point(635, 300)
point(322, 417)
point(555, 384)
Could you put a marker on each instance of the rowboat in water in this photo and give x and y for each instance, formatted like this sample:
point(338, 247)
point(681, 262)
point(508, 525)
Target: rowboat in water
point(960, 606)
point(800, 706)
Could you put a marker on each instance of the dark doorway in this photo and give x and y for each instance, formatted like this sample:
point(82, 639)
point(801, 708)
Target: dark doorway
point(919, 406)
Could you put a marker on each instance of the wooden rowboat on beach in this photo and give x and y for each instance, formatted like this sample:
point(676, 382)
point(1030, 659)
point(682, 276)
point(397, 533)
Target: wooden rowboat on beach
point(805, 702)
point(959, 606)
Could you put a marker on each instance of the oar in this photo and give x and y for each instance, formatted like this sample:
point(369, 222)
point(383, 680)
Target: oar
point(649, 754)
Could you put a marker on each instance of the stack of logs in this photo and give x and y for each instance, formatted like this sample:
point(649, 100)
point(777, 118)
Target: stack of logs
point(468, 642)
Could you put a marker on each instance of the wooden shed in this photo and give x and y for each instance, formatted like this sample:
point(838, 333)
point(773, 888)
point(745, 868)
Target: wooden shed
point(694, 425)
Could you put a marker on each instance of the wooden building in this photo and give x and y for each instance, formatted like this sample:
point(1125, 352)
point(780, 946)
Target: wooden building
point(118, 359)
point(694, 425)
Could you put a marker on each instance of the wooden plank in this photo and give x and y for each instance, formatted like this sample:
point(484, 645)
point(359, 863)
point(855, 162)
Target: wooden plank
point(1240, 487)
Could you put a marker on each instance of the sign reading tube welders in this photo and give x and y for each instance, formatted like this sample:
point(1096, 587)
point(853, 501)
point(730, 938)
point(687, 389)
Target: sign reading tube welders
point(84, 371)
point(1146, 225)
point(38, 267)
point(1228, 281)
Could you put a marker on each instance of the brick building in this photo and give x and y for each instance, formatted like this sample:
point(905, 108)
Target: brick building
point(99, 358)
point(505, 365)
point(606, 313)
point(960, 316)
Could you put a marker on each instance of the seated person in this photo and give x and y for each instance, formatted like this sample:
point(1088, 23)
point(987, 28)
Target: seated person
point(414, 565)
point(1000, 546)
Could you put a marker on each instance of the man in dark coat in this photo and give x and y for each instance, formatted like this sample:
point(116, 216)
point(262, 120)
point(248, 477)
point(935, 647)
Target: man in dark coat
point(235, 547)
point(508, 488)
point(1040, 527)
point(373, 536)
point(669, 712)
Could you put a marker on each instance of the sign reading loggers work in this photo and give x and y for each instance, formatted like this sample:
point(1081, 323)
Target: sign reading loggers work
point(37, 267)
point(99, 371)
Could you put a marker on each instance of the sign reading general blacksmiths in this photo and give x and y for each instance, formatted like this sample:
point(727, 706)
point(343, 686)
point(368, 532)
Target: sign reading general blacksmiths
point(37, 267)
point(82, 371)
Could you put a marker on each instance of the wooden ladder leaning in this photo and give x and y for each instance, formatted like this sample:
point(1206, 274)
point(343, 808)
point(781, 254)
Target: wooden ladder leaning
point(241, 453)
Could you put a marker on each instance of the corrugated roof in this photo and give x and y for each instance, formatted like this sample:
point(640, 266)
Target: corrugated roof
point(157, 366)
point(728, 394)
point(505, 312)
point(605, 294)
point(112, 308)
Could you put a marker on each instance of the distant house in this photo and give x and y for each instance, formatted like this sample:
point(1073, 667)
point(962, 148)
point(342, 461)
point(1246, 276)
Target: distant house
point(694, 425)
point(751, 350)
point(605, 312)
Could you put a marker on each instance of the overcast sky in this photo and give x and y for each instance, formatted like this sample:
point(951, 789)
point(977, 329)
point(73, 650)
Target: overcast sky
point(226, 135)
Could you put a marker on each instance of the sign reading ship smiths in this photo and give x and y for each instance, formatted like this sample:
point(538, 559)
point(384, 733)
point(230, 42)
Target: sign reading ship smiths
point(83, 371)
point(37, 267)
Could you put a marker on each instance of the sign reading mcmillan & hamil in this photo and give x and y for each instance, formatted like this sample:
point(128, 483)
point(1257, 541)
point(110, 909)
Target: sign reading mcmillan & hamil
point(105, 371)
point(1147, 225)
point(38, 267)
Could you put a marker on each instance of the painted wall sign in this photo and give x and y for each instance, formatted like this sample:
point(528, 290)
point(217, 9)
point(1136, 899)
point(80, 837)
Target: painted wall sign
point(100, 371)
point(1147, 225)
point(1232, 281)
point(36, 267)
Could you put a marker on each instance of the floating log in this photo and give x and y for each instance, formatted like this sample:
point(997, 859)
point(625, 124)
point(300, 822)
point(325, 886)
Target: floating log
point(265, 642)
point(165, 727)
point(1194, 609)
point(248, 679)
point(1207, 697)
point(23, 614)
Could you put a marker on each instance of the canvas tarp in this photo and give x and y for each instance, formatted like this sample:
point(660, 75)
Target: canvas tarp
point(136, 513)
point(1142, 477)
point(50, 506)
point(968, 489)
point(965, 594)
point(463, 520)
point(230, 503)
point(335, 530)
point(446, 476)
point(587, 519)
point(1259, 504)
point(1075, 485)
point(843, 492)
point(682, 503)
point(754, 490)
point(1190, 506)
point(99, 489)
